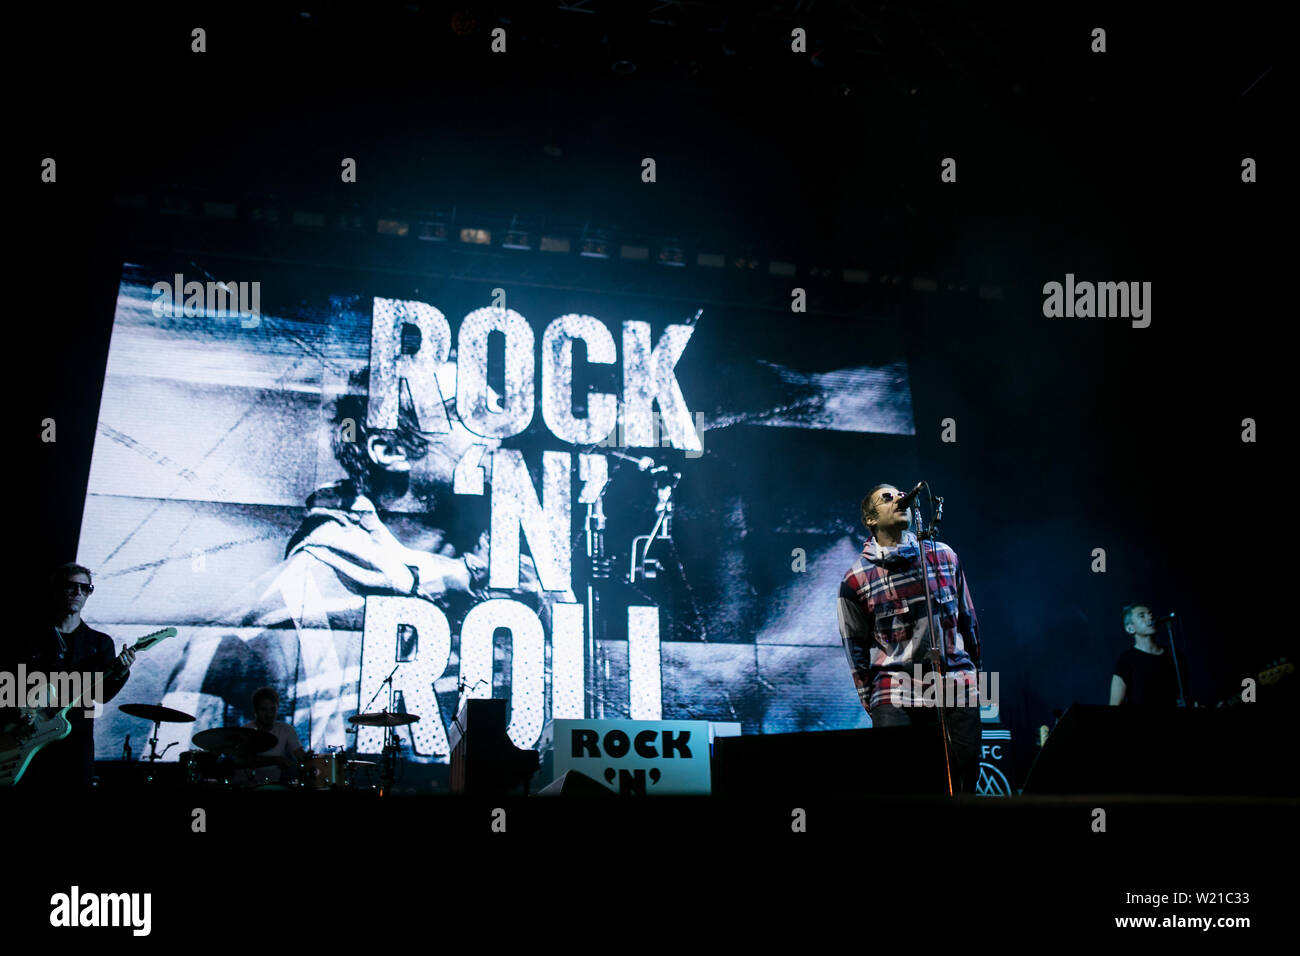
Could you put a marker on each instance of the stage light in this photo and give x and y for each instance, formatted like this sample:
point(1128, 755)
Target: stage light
point(516, 239)
point(392, 227)
point(554, 244)
point(463, 23)
point(431, 231)
point(477, 237)
point(350, 221)
point(594, 247)
point(174, 206)
point(671, 256)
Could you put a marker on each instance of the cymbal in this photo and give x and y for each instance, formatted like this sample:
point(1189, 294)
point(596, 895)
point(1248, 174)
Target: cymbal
point(157, 713)
point(236, 741)
point(383, 719)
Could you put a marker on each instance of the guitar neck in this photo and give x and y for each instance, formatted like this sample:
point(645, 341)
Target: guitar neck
point(141, 644)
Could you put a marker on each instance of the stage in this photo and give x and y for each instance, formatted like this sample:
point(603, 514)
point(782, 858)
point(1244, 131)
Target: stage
point(1022, 869)
point(555, 468)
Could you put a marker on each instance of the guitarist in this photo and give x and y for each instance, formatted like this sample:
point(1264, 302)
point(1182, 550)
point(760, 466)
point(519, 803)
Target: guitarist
point(62, 641)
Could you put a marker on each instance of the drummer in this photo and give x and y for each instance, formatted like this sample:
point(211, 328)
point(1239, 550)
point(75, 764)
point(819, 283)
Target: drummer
point(287, 752)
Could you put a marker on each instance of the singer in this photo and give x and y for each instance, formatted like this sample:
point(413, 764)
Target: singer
point(883, 624)
point(1144, 674)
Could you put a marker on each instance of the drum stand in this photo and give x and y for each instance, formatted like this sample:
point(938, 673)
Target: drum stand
point(392, 749)
point(153, 744)
point(154, 755)
point(392, 743)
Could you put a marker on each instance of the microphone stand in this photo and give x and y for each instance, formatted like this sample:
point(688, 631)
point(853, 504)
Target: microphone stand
point(392, 743)
point(936, 658)
point(599, 570)
point(1178, 674)
point(665, 482)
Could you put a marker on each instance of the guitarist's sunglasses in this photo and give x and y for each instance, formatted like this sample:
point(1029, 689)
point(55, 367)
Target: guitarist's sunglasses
point(72, 587)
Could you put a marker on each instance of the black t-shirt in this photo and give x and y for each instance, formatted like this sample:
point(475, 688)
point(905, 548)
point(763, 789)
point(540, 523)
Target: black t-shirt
point(69, 761)
point(1150, 678)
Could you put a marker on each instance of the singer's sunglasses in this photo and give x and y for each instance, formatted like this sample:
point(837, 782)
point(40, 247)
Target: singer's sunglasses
point(73, 587)
point(889, 496)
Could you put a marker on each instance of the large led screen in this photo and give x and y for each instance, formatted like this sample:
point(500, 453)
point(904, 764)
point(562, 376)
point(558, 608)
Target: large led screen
point(585, 503)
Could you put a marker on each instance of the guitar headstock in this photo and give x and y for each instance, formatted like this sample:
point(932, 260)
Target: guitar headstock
point(1275, 673)
point(149, 640)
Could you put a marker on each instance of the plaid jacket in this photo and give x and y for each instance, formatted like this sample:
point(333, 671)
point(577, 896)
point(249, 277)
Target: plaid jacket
point(882, 597)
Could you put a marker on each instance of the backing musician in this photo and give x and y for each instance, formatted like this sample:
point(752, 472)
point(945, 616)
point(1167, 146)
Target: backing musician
point(1144, 674)
point(287, 753)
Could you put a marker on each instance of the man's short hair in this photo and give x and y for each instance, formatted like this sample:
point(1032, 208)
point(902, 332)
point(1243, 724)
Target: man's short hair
point(265, 693)
point(1128, 613)
point(868, 509)
point(67, 570)
point(354, 456)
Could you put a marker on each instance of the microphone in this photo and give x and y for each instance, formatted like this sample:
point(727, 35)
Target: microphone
point(1168, 617)
point(907, 499)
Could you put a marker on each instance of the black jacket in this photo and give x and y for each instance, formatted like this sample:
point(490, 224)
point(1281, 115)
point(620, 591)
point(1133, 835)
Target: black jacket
point(70, 761)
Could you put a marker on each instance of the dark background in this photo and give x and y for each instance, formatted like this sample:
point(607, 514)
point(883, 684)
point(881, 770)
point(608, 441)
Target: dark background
point(1073, 434)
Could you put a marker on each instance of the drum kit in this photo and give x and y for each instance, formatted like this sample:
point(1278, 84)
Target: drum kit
point(230, 757)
